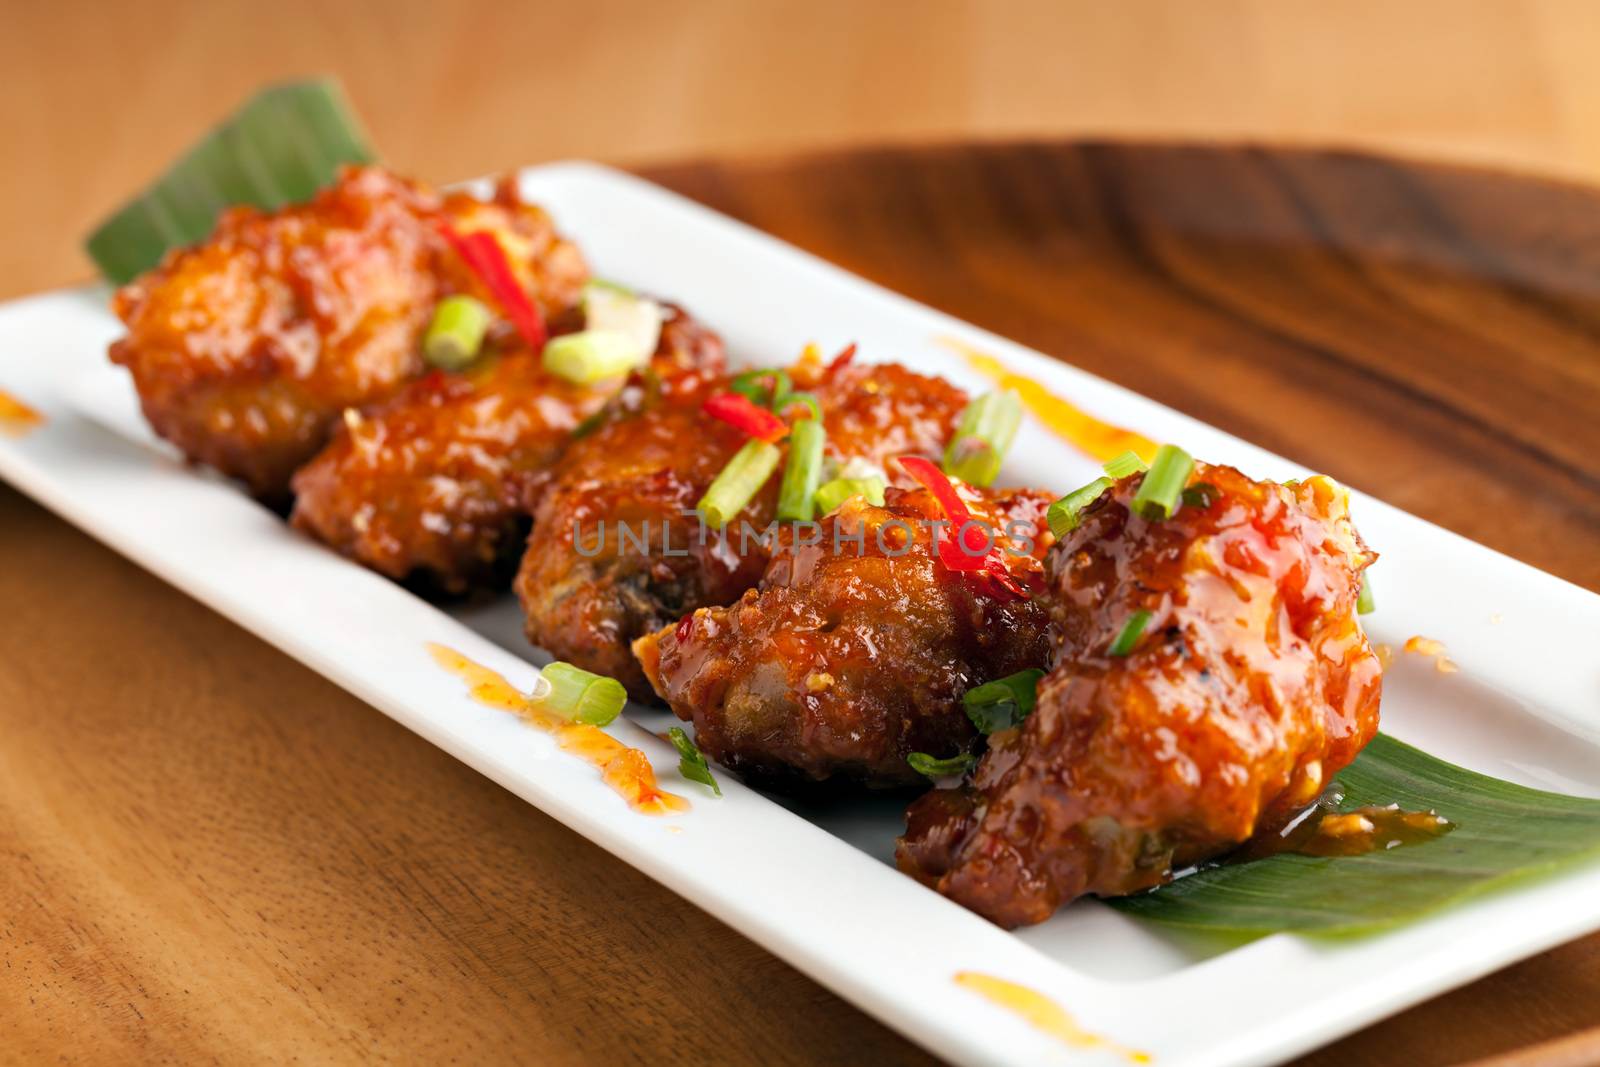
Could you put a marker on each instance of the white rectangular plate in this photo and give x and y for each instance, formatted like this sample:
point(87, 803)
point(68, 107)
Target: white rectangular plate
point(815, 887)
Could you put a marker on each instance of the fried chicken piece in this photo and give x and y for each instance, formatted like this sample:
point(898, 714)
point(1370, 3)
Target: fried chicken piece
point(587, 592)
point(247, 348)
point(431, 484)
point(858, 645)
point(1251, 686)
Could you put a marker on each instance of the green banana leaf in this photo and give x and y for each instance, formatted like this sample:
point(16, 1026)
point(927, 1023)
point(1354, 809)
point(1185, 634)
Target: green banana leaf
point(1503, 832)
point(280, 148)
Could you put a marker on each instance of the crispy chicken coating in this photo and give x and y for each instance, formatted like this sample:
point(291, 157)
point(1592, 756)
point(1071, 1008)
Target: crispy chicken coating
point(588, 590)
point(1251, 686)
point(247, 348)
point(858, 645)
point(431, 484)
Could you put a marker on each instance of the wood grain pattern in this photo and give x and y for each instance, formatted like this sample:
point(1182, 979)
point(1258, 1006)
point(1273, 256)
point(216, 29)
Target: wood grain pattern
point(101, 96)
point(208, 853)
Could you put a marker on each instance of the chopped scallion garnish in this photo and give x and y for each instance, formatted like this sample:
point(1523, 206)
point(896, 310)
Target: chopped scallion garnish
point(803, 471)
point(1163, 483)
point(591, 356)
point(934, 767)
point(983, 436)
point(1366, 603)
point(763, 386)
point(1121, 466)
point(691, 761)
point(1064, 515)
point(1002, 703)
point(789, 400)
point(609, 306)
point(456, 333)
point(1200, 495)
point(739, 481)
point(1128, 639)
point(581, 696)
point(836, 492)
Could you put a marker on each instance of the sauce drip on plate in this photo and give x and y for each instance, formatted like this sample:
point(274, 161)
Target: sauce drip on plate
point(625, 769)
point(1040, 1012)
point(16, 418)
point(1324, 830)
point(1095, 437)
point(1427, 646)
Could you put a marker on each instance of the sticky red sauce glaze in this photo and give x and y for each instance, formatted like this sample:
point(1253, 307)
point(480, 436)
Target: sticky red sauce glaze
point(1251, 686)
point(647, 468)
point(856, 649)
point(626, 770)
point(247, 347)
point(433, 482)
point(1324, 830)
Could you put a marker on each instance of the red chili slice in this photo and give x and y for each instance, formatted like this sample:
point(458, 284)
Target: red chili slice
point(483, 255)
point(974, 547)
point(975, 555)
point(738, 411)
point(843, 359)
point(1005, 585)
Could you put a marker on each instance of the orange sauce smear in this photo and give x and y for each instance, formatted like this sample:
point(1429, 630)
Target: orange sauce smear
point(17, 418)
point(1427, 646)
point(625, 769)
point(1042, 1013)
point(1098, 439)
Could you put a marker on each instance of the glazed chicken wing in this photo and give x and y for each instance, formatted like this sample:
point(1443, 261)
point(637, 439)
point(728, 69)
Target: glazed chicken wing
point(1248, 688)
point(431, 484)
point(858, 646)
point(588, 591)
point(247, 348)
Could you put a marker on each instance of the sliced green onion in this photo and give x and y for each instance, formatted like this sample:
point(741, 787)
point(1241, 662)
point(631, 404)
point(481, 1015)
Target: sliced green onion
point(762, 386)
point(595, 286)
point(836, 492)
point(1366, 603)
point(591, 356)
point(1120, 467)
point(613, 308)
point(1200, 495)
point(591, 424)
point(456, 333)
point(1063, 516)
point(1004, 702)
point(1163, 483)
point(279, 148)
point(1132, 630)
point(983, 436)
point(936, 768)
point(789, 400)
point(739, 481)
point(691, 761)
point(803, 471)
point(582, 697)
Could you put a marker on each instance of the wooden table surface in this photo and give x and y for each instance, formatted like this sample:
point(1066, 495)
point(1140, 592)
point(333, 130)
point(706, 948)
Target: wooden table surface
point(100, 97)
point(209, 853)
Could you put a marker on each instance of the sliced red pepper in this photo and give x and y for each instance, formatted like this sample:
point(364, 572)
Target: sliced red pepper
point(484, 257)
point(975, 555)
point(1005, 586)
point(974, 547)
point(739, 411)
point(843, 359)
